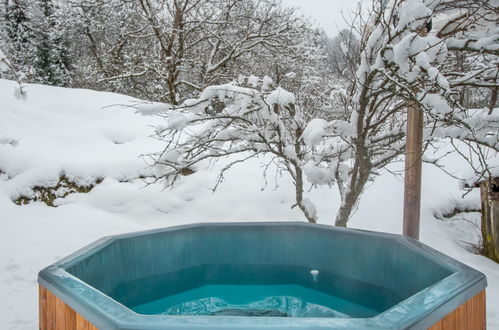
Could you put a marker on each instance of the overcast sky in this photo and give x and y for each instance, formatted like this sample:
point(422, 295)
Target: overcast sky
point(326, 13)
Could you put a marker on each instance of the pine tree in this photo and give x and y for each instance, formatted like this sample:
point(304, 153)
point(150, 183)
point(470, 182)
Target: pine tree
point(17, 33)
point(51, 61)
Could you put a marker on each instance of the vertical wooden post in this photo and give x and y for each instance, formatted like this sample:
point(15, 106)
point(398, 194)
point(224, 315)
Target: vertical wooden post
point(489, 191)
point(413, 164)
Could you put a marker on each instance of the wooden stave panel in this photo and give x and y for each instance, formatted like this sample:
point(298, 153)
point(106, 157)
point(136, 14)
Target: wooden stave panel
point(54, 314)
point(471, 315)
point(42, 307)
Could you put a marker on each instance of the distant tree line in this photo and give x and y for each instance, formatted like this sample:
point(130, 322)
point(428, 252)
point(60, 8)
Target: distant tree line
point(161, 50)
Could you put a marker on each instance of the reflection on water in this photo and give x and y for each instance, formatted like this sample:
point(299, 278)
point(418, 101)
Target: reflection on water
point(251, 300)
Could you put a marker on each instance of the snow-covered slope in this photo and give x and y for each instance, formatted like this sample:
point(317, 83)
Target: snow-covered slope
point(89, 136)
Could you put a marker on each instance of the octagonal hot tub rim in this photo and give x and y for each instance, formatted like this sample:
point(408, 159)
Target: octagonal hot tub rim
point(105, 312)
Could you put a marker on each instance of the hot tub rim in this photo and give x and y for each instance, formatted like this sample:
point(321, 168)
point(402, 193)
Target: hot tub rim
point(105, 312)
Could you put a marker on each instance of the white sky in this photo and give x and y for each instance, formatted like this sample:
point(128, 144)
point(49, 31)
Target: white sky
point(326, 13)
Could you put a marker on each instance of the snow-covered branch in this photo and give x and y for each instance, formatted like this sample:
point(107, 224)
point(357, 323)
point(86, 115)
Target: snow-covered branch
point(248, 118)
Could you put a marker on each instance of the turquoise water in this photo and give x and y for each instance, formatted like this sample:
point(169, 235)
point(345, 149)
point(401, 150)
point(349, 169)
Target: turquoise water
point(252, 300)
point(253, 290)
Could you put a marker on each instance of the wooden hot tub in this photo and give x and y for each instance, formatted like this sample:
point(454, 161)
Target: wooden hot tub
point(260, 276)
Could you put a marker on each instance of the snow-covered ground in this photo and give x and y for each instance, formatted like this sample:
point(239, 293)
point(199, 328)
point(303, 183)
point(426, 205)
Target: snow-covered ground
point(89, 135)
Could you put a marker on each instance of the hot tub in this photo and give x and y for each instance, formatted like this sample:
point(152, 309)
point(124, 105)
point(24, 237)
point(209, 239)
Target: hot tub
point(260, 276)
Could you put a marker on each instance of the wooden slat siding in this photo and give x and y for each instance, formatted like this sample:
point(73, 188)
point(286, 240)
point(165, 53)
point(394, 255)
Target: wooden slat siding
point(60, 313)
point(437, 326)
point(70, 319)
point(51, 312)
point(468, 316)
point(42, 307)
point(56, 315)
point(82, 324)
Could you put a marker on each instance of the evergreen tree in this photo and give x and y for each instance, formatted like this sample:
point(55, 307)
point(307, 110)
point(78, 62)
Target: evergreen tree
point(51, 61)
point(17, 34)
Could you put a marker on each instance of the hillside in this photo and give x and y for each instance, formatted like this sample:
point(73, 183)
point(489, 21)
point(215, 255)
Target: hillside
point(90, 143)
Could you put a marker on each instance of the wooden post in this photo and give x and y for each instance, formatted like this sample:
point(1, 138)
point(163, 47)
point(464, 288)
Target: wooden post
point(489, 191)
point(413, 164)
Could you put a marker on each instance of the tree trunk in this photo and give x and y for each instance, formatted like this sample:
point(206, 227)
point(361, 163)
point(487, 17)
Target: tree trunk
point(493, 100)
point(174, 55)
point(299, 196)
point(345, 210)
point(489, 191)
point(312, 218)
point(363, 170)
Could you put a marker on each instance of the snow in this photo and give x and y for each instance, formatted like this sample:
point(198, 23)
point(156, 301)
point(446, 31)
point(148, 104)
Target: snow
point(176, 120)
point(315, 131)
point(70, 132)
point(280, 97)
point(436, 103)
point(267, 83)
point(88, 135)
point(253, 81)
point(318, 175)
point(152, 108)
point(427, 50)
point(310, 207)
point(471, 178)
point(410, 12)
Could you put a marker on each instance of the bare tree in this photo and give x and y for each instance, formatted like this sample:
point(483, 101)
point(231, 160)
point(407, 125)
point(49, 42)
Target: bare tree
point(169, 50)
point(365, 131)
point(238, 121)
point(398, 65)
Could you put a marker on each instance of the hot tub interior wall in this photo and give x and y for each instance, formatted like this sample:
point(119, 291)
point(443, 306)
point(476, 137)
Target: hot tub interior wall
point(138, 269)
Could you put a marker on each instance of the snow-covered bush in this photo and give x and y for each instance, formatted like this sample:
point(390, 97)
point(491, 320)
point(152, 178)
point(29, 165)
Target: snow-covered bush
point(246, 118)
